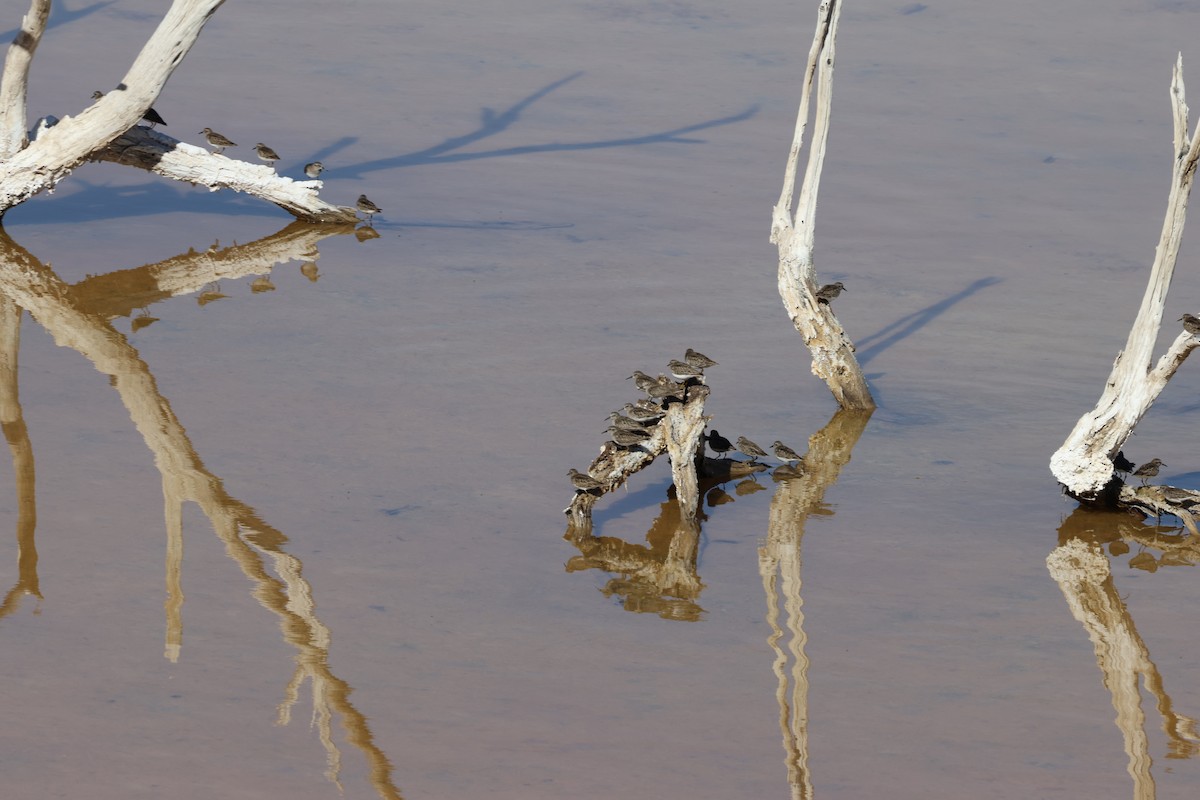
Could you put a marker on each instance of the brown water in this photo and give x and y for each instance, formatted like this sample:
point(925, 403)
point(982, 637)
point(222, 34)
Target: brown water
point(368, 585)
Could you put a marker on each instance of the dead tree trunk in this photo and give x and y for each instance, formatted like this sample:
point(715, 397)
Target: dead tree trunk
point(1084, 463)
point(106, 130)
point(793, 231)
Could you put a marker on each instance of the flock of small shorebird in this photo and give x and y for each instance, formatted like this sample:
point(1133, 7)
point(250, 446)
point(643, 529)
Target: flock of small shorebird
point(635, 426)
point(219, 143)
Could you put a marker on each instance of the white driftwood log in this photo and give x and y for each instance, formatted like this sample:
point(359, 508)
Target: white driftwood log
point(793, 230)
point(1084, 463)
point(163, 155)
point(49, 159)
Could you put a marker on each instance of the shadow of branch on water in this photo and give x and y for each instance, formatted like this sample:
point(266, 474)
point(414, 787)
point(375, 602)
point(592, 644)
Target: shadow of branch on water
point(906, 326)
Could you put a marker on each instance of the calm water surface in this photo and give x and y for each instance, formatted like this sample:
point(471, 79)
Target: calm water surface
point(287, 515)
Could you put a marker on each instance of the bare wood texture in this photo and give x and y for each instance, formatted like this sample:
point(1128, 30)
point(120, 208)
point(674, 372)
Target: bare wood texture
point(52, 156)
point(1084, 463)
point(15, 82)
point(793, 230)
point(163, 155)
point(680, 428)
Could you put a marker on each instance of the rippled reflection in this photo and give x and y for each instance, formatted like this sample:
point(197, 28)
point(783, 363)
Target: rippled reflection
point(79, 317)
point(797, 495)
point(1082, 570)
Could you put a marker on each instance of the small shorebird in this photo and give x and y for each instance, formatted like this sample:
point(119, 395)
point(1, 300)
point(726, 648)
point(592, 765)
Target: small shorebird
point(718, 443)
point(628, 438)
point(698, 360)
point(683, 371)
point(367, 207)
point(218, 141)
point(829, 292)
point(314, 169)
point(642, 413)
point(785, 453)
point(584, 482)
point(1121, 463)
point(266, 154)
point(1191, 324)
point(749, 448)
point(661, 391)
point(1148, 470)
point(625, 423)
point(643, 381)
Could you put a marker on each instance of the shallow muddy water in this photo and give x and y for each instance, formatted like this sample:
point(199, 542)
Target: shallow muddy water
point(363, 583)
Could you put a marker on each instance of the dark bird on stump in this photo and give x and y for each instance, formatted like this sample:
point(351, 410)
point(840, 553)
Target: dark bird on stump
point(698, 360)
point(1191, 324)
point(1121, 463)
point(582, 482)
point(747, 447)
point(1148, 470)
point(829, 292)
point(719, 443)
point(785, 453)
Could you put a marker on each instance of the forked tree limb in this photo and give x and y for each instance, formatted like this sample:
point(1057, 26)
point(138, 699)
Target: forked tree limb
point(1084, 463)
point(52, 156)
point(793, 230)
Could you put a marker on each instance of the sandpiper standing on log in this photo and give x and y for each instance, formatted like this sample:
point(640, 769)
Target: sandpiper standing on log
point(583, 482)
point(683, 370)
point(829, 292)
point(1191, 324)
point(266, 154)
point(314, 169)
point(785, 453)
point(367, 207)
point(698, 360)
point(1148, 470)
point(218, 141)
point(749, 448)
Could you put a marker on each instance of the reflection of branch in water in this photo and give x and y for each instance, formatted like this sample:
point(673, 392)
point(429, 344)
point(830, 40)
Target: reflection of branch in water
point(660, 578)
point(22, 454)
point(1082, 572)
point(247, 538)
point(779, 564)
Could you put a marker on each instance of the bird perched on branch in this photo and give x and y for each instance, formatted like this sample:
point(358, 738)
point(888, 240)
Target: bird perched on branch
point(218, 141)
point(785, 453)
point(266, 154)
point(1148, 470)
point(698, 360)
point(583, 482)
point(749, 448)
point(1191, 324)
point(1121, 463)
point(829, 292)
point(718, 443)
point(643, 414)
point(628, 438)
point(682, 370)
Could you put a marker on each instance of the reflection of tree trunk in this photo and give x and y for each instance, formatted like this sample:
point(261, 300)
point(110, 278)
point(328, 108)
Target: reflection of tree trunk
point(247, 538)
point(779, 563)
point(1082, 572)
point(660, 578)
point(22, 454)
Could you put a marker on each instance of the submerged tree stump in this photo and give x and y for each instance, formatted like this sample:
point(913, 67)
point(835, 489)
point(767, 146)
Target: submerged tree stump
point(1084, 463)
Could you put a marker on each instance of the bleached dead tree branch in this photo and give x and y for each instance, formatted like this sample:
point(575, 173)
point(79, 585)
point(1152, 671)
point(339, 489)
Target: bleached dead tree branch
point(1084, 463)
point(793, 230)
point(106, 130)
